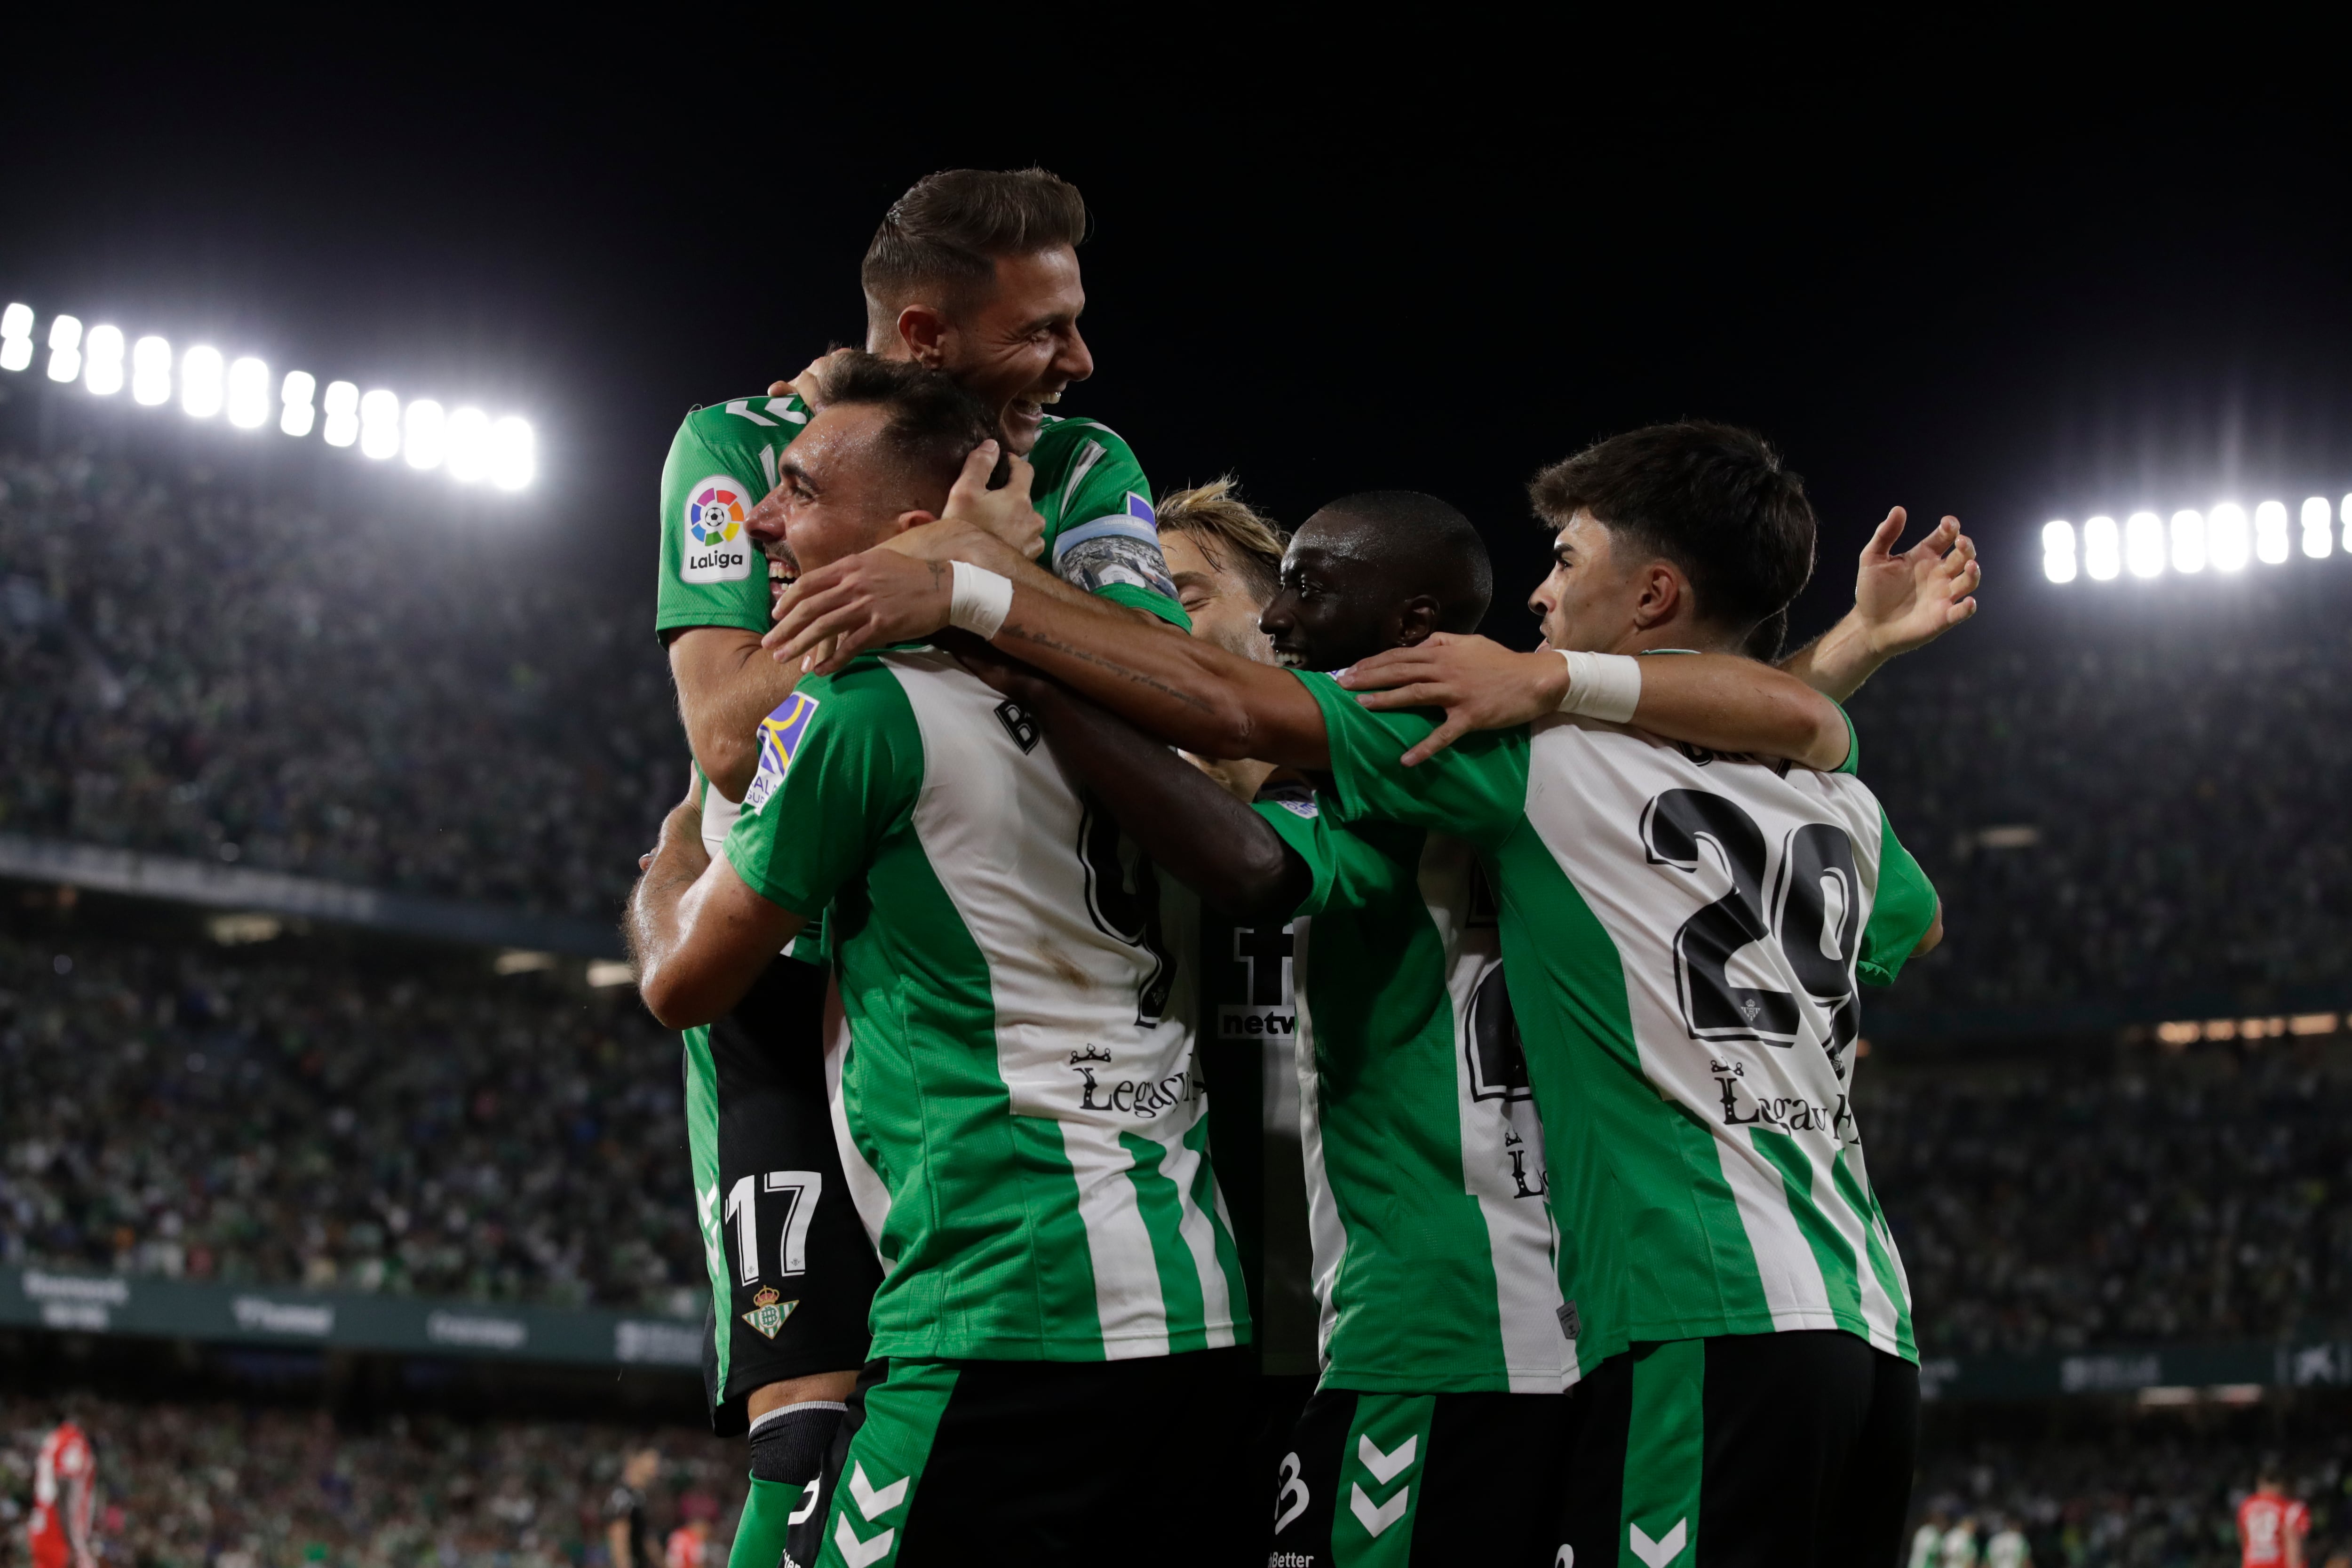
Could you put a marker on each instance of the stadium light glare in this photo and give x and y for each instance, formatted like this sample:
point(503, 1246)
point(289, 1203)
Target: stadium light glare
point(102, 360)
point(2058, 551)
point(2346, 514)
point(379, 424)
point(2187, 542)
point(294, 396)
point(2225, 537)
point(2269, 533)
point(65, 348)
point(513, 458)
point(150, 371)
point(423, 439)
point(249, 393)
point(343, 414)
point(2102, 556)
point(16, 336)
point(469, 445)
point(200, 382)
point(2316, 516)
point(2144, 544)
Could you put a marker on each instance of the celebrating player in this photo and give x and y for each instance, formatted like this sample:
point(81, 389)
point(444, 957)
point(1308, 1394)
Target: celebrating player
point(1024, 1108)
point(1683, 930)
point(975, 273)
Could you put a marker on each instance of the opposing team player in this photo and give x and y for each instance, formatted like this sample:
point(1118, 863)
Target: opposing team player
point(65, 1482)
point(1058, 1319)
point(1436, 1269)
point(2271, 1524)
point(975, 273)
point(1683, 930)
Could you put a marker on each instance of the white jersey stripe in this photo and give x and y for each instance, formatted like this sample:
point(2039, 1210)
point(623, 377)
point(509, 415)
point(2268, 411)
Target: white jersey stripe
point(1325, 1235)
point(1794, 1291)
point(1127, 1276)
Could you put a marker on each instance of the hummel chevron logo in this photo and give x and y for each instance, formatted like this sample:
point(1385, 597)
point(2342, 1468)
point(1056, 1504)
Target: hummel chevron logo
point(1384, 1467)
point(875, 1502)
point(1665, 1550)
point(741, 409)
point(860, 1554)
point(1376, 1518)
point(808, 1502)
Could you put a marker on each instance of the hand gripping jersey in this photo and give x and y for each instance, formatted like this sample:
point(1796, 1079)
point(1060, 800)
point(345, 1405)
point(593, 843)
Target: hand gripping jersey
point(1100, 532)
point(63, 1478)
point(1682, 932)
point(2265, 1522)
point(1436, 1257)
point(1029, 1114)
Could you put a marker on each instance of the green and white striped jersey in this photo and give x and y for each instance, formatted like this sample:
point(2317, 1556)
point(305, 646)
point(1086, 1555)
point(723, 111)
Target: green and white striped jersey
point(1682, 931)
point(1436, 1257)
point(1013, 1080)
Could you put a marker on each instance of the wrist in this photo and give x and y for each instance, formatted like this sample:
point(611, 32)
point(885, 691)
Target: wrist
point(1547, 675)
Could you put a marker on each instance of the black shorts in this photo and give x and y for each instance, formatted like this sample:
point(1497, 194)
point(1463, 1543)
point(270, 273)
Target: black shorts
point(792, 1272)
point(1430, 1478)
point(1137, 1463)
point(1745, 1449)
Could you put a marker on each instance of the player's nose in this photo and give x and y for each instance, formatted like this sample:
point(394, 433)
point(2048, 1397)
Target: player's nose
point(1075, 361)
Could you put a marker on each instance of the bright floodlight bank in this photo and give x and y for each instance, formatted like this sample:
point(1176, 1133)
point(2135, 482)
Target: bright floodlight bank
point(2223, 540)
point(465, 441)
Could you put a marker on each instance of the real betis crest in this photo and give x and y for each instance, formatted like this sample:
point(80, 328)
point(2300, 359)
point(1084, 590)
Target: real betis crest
point(767, 1313)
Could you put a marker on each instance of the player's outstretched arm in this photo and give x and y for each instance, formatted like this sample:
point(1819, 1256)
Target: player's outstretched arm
point(699, 936)
point(1188, 692)
point(1721, 702)
point(1901, 602)
point(1183, 819)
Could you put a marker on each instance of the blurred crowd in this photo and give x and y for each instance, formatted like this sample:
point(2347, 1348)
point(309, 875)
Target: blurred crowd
point(2148, 1194)
point(434, 701)
point(2129, 1500)
point(2148, 805)
point(281, 1113)
point(194, 1486)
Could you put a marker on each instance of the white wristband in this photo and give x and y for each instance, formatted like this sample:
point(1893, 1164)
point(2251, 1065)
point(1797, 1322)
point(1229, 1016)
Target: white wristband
point(1604, 686)
point(980, 600)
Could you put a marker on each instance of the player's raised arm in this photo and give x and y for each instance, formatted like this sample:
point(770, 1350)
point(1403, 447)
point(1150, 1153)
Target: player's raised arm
point(1901, 602)
point(699, 935)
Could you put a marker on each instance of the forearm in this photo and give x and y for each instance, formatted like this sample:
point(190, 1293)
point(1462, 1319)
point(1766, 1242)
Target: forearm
point(616, 1544)
point(1189, 692)
point(1726, 703)
point(1836, 663)
point(1185, 821)
point(726, 685)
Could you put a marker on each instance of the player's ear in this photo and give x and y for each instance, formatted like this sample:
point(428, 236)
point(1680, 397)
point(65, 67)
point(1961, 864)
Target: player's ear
point(1417, 621)
point(923, 329)
point(908, 519)
point(1661, 591)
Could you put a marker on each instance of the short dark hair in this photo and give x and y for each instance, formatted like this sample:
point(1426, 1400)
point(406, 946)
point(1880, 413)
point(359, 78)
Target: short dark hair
point(1432, 546)
point(934, 423)
point(949, 229)
point(1714, 499)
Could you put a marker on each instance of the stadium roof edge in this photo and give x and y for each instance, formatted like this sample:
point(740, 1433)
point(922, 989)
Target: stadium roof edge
point(177, 880)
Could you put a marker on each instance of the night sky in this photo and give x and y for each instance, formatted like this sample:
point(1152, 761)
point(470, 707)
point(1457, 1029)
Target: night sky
point(1933, 274)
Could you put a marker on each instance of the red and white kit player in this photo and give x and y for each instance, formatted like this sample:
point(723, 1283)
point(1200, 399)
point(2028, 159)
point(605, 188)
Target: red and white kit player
point(63, 1485)
point(2271, 1526)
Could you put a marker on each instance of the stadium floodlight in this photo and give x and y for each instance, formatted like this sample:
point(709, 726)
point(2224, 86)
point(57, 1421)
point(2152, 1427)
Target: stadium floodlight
point(2269, 533)
point(468, 438)
point(102, 360)
point(294, 396)
point(2144, 544)
point(343, 414)
point(151, 370)
point(424, 438)
point(2187, 542)
point(249, 393)
point(2058, 551)
point(379, 424)
point(65, 348)
point(2346, 514)
point(514, 459)
point(2316, 516)
point(16, 336)
point(2102, 555)
point(200, 382)
point(2225, 537)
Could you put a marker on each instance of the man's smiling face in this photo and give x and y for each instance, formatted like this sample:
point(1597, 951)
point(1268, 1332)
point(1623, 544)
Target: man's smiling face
point(1337, 603)
point(1019, 348)
point(836, 491)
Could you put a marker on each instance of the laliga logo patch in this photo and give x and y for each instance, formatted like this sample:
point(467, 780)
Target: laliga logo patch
point(767, 1314)
point(715, 549)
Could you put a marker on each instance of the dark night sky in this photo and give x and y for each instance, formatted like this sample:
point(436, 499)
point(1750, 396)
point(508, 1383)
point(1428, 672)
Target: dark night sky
point(2013, 292)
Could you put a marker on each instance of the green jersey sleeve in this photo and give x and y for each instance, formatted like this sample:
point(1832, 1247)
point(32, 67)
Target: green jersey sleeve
point(721, 461)
point(1351, 868)
point(1476, 789)
point(1900, 914)
point(841, 762)
point(1101, 533)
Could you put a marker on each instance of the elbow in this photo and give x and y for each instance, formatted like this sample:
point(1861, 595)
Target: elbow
point(1934, 937)
point(1817, 733)
point(672, 997)
point(727, 761)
